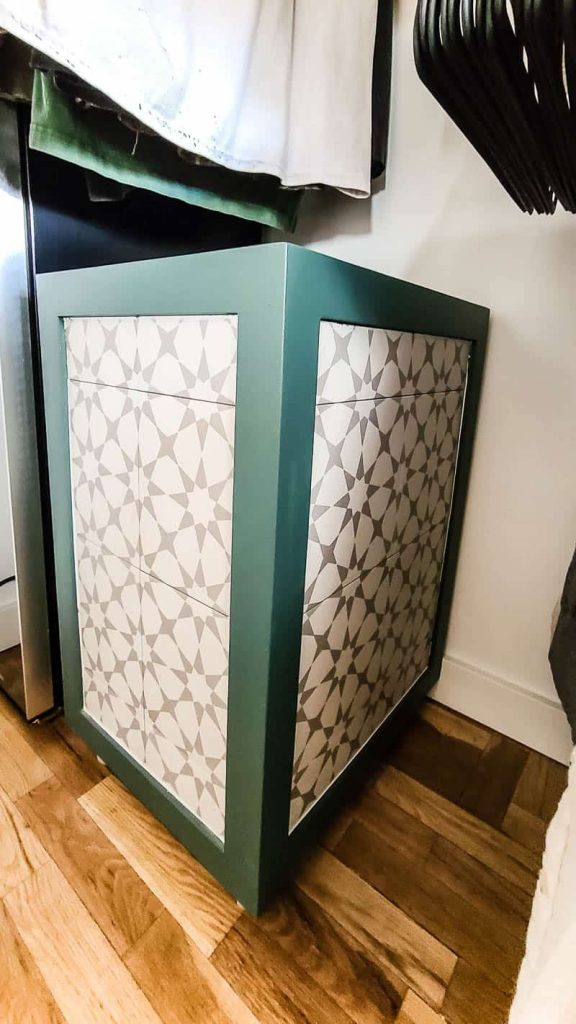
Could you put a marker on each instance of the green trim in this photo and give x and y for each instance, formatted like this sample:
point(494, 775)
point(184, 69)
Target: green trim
point(321, 288)
point(280, 293)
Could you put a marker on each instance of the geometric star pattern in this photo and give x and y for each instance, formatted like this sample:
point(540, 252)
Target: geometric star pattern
point(365, 362)
point(187, 356)
point(190, 357)
point(185, 661)
point(388, 416)
point(362, 650)
point(151, 406)
point(109, 619)
point(104, 424)
point(382, 473)
point(186, 479)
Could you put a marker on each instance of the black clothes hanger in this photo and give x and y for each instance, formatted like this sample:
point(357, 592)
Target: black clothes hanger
point(543, 39)
point(518, 100)
point(453, 93)
point(505, 111)
point(457, 81)
point(505, 72)
point(459, 42)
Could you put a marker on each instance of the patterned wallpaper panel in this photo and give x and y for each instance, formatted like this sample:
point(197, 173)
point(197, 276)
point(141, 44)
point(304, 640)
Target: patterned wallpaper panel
point(370, 362)
point(381, 474)
point(362, 649)
point(389, 408)
point(151, 406)
point(187, 356)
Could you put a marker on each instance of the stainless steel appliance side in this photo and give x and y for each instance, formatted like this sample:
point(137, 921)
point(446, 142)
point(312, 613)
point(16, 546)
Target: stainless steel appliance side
point(34, 693)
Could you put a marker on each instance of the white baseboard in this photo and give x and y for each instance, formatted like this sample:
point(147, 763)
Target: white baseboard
point(528, 717)
point(9, 620)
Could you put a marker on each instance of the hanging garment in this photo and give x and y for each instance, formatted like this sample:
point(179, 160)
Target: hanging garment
point(97, 141)
point(276, 87)
point(546, 990)
point(381, 83)
point(563, 648)
point(16, 76)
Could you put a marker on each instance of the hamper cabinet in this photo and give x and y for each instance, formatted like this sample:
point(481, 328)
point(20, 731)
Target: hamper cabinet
point(258, 467)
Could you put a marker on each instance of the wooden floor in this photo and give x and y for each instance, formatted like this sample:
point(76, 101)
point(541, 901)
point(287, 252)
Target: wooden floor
point(414, 910)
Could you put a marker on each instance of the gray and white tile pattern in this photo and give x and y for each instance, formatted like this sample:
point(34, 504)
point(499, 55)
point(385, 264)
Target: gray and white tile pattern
point(389, 409)
point(108, 595)
point(186, 470)
point(382, 473)
point(362, 649)
point(370, 362)
point(187, 356)
point(185, 659)
point(151, 405)
point(104, 428)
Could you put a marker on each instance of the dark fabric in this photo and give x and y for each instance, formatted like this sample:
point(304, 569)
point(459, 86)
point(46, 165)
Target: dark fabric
point(104, 190)
point(562, 653)
point(16, 77)
point(381, 81)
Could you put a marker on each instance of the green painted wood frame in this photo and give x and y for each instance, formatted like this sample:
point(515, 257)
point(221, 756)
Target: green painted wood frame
point(280, 293)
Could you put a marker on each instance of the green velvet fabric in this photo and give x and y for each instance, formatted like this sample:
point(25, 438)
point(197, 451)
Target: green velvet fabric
point(98, 141)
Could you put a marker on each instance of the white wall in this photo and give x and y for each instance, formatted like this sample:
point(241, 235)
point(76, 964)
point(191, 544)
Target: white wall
point(444, 221)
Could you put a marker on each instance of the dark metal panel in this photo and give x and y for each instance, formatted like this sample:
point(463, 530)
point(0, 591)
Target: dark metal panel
point(34, 691)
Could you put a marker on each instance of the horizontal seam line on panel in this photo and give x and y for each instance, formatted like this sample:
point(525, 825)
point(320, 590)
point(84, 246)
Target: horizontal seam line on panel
point(160, 394)
point(364, 572)
point(138, 568)
point(152, 316)
point(384, 398)
point(184, 593)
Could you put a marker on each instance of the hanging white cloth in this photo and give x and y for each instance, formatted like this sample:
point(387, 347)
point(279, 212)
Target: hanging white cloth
point(280, 87)
point(546, 990)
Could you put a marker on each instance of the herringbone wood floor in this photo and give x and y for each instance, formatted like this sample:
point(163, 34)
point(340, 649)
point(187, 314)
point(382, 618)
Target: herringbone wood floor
point(413, 911)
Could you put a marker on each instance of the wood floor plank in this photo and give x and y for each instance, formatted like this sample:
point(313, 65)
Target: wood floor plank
point(457, 726)
point(65, 754)
point(491, 787)
point(540, 786)
point(24, 997)
point(428, 755)
point(10, 680)
point(181, 983)
point(20, 851)
point(332, 835)
point(341, 965)
point(89, 982)
point(275, 987)
point(403, 831)
point(395, 940)
point(119, 901)
point(415, 1011)
point(68, 757)
point(555, 784)
point(20, 767)
point(525, 828)
point(199, 904)
point(472, 998)
point(498, 852)
point(507, 905)
point(426, 900)
point(529, 792)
